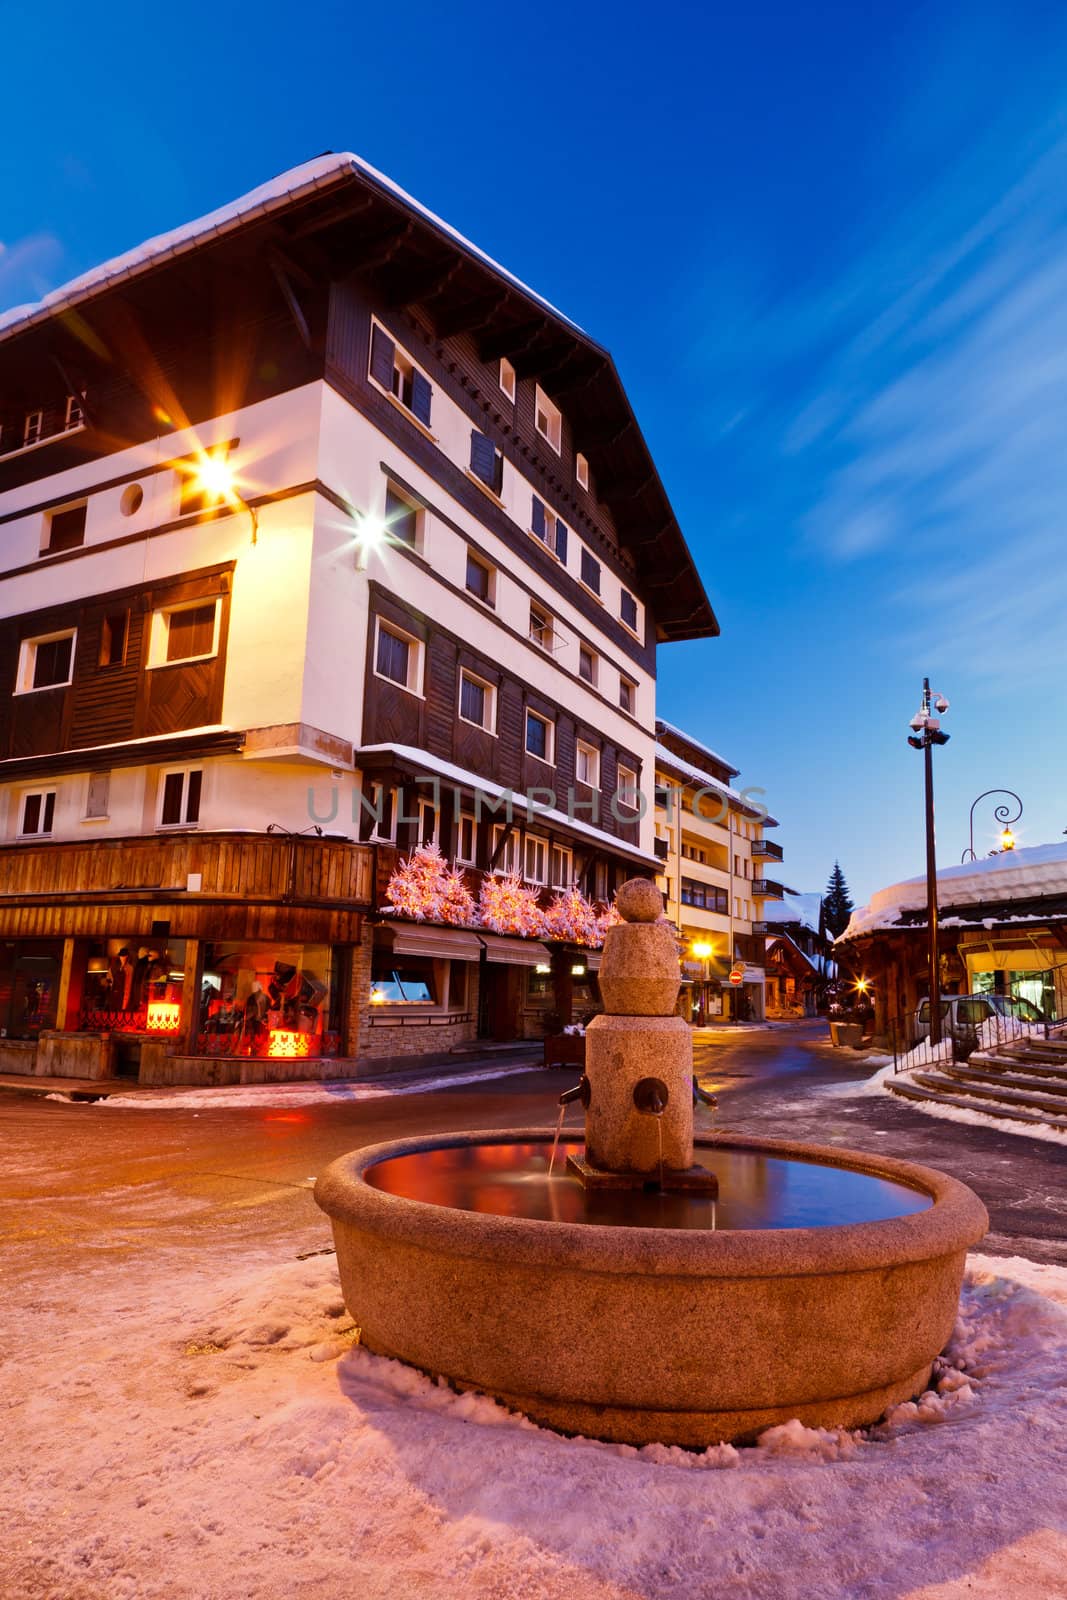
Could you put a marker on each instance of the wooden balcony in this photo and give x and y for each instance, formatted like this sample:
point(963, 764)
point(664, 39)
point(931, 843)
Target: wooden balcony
point(210, 885)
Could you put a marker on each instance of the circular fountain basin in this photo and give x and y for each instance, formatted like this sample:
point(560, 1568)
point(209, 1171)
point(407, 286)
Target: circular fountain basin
point(820, 1285)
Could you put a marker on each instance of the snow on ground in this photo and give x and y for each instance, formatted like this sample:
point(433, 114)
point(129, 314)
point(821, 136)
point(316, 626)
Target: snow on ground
point(192, 1425)
point(293, 1094)
point(884, 1075)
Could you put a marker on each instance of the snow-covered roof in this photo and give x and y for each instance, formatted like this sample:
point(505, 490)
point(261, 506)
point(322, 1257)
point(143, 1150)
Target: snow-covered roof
point(703, 780)
point(1011, 875)
point(822, 966)
point(680, 733)
point(800, 908)
point(297, 183)
point(422, 761)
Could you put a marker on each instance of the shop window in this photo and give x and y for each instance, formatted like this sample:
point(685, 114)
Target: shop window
point(267, 1000)
point(29, 986)
point(38, 813)
point(130, 985)
point(180, 792)
point(403, 982)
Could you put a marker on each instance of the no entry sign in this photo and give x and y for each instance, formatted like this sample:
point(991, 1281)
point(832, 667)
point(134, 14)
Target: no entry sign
point(737, 975)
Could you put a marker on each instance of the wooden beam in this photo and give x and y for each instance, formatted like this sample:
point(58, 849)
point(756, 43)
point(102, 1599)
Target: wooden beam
point(420, 284)
point(470, 315)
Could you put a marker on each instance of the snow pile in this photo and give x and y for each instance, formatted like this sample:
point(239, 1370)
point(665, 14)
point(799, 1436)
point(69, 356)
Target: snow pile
point(293, 1094)
point(221, 1432)
point(1011, 875)
point(1002, 1030)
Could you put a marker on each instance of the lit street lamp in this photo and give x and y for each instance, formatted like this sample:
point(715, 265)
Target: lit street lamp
point(703, 951)
point(926, 733)
point(1004, 815)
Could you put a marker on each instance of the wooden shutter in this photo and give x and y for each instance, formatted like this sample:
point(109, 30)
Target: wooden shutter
point(420, 398)
point(381, 358)
point(590, 572)
point(561, 540)
point(537, 518)
point(483, 458)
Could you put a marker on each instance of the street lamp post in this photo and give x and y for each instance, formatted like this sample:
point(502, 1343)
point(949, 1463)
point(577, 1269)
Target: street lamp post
point(704, 952)
point(1003, 814)
point(927, 733)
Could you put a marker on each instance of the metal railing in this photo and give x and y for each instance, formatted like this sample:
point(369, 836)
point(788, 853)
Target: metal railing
point(767, 847)
point(911, 1048)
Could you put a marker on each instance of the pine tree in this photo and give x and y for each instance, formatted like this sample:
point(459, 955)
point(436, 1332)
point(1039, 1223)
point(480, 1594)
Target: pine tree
point(837, 903)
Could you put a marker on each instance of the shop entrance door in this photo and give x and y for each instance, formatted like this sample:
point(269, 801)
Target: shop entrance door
point(29, 986)
point(499, 1002)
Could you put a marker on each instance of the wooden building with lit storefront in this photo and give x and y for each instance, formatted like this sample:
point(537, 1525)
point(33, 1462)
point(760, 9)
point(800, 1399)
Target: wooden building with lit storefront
point(319, 529)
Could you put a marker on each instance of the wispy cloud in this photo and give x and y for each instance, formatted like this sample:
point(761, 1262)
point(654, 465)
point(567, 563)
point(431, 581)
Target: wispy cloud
point(28, 268)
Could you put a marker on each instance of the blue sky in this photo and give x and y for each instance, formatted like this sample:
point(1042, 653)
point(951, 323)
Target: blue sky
point(828, 249)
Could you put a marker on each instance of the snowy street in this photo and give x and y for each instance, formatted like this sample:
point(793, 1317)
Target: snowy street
point(187, 1413)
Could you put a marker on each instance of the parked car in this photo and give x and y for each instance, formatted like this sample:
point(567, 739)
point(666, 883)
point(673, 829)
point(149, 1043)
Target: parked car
point(962, 1015)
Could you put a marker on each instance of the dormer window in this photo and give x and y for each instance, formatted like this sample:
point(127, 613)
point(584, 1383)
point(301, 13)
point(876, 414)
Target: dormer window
point(548, 420)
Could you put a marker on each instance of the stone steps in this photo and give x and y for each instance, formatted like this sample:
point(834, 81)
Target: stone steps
point(1000, 1061)
point(1053, 1083)
point(945, 1092)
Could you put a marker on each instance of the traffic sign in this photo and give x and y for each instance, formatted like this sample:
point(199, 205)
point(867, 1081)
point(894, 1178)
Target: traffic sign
point(737, 975)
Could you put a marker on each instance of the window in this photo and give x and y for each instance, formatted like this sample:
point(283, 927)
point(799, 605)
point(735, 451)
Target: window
point(476, 701)
point(467, 841)
point(550, 529)
point(587, 664)
point(507, 377)
point(590, 572)
point(377, 813)
point(487, 464)
point(628, 610)
point(46, 663)
point(398, 375)
point(402, 518)
point(38, 812)
point(398, 657)
point(627, 694)
point(548, 420)
point(66, 528)
point(190, 632)
point(114, 632)
point(180, 799)
point(705, 896)
point(505, 854)
point(562, 867)
point(409, 984)
point(428, 822)
point(587, 764)
point(581, 470)
point(75, 414)
point(541, 627)
point(96, 801)
point(539, 731)
point(200, 487)
point(626, 788)
point(31, 428)
point(480, 579)
point(535, 859)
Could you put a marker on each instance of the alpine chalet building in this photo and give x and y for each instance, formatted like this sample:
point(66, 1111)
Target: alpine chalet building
point(323, 537)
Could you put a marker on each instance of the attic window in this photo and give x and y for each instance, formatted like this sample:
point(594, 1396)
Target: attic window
point(581, 471)
point(507, 378)
point(548, 420)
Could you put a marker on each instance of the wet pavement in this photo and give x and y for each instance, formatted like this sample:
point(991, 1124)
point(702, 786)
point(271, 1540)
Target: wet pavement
point(111, 1177)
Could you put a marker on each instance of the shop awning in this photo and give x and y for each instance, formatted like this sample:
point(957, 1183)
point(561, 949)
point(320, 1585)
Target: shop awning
point(515, 952)
point(439, 944)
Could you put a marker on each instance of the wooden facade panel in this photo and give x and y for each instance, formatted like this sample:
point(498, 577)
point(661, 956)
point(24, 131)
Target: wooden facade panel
point(37, 722)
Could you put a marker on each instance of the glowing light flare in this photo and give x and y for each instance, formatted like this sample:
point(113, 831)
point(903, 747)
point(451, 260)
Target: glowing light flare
point(284, 1042)
point(163, 1016)
point(862, 985)
point(214, 478)
point(702, 950)
point(1007, 840)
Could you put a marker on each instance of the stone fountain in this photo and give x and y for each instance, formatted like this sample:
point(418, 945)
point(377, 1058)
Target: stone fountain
point(657, 1286)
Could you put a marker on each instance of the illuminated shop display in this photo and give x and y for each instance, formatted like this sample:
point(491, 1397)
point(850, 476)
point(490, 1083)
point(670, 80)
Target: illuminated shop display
point(267, 1000)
